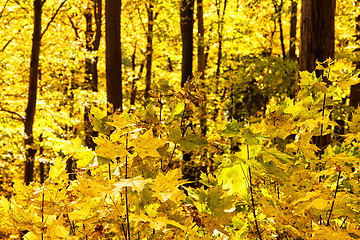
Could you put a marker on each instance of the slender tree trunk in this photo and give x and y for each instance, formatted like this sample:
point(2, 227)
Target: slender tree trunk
point(220, 34)
point(91, 72)
point(278, 11)
point(293, 21)
point(31, 105)
point(113, 53)
point(317, 39)
point(201, 43)
point(281, 31)
point(96, 44)
point(149, 49)
point(187, 26)
point(201, 64)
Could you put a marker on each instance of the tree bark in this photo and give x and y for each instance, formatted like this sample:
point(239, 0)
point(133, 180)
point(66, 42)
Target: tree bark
point(355, 89)
point(293, 21)
point(317, 39)
point(91, 71)
point(31, 105)
point(187, 26)
point(149, 49)
point(201, 43)
point(113, 53)
point(317, 42)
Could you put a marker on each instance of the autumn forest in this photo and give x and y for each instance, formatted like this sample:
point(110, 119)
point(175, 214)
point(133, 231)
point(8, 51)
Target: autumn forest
point(179, 119)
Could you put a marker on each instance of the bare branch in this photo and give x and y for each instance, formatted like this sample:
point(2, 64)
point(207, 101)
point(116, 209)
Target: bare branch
point(52, 18)
point(74, 27)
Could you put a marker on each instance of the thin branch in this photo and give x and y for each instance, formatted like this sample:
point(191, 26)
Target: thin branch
point(74, 27)
point(16, 1)
point(333, 202)
point(22, 118)
point(53, 17)
point(8, 42)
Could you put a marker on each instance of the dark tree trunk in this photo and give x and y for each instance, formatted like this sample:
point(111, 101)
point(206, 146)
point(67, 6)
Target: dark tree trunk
point(293, 21)
point(187, 25)
point(149, 49)
point(96, 44)
point(91, 72)
point(355, 89)
point(278, 11)
point(113, 53)
point(201, 43)
point(31, 105)
point(317, 39)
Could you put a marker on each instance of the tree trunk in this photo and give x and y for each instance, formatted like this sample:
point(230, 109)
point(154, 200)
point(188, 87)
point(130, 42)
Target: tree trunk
point(201, 44)
point(187, 25)
point(317, 39)
point(220, 34)
point(355, 89)
point(31, 105)
point(293, 21)
point(91, 72)
point(201, 64)
point(149, 49)
point(113, 53)
point(278, 11)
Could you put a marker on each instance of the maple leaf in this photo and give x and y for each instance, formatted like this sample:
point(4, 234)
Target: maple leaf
point(146, 144)
point(107, 148)
point(136, 183)
point(165, 187)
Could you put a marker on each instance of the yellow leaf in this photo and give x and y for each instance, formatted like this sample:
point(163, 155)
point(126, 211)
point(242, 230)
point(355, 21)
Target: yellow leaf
point(145, 145)
point(107, 148)
point(166, 187)
point(136, 183)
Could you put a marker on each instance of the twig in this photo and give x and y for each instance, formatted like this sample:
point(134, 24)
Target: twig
point(333, 202)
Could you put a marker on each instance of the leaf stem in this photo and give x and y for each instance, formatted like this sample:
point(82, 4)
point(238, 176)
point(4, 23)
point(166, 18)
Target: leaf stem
point(321, 134)
point(343, 222)
point(126, 190)
point(333, 202)
point(182, 135)
point(253, 205)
